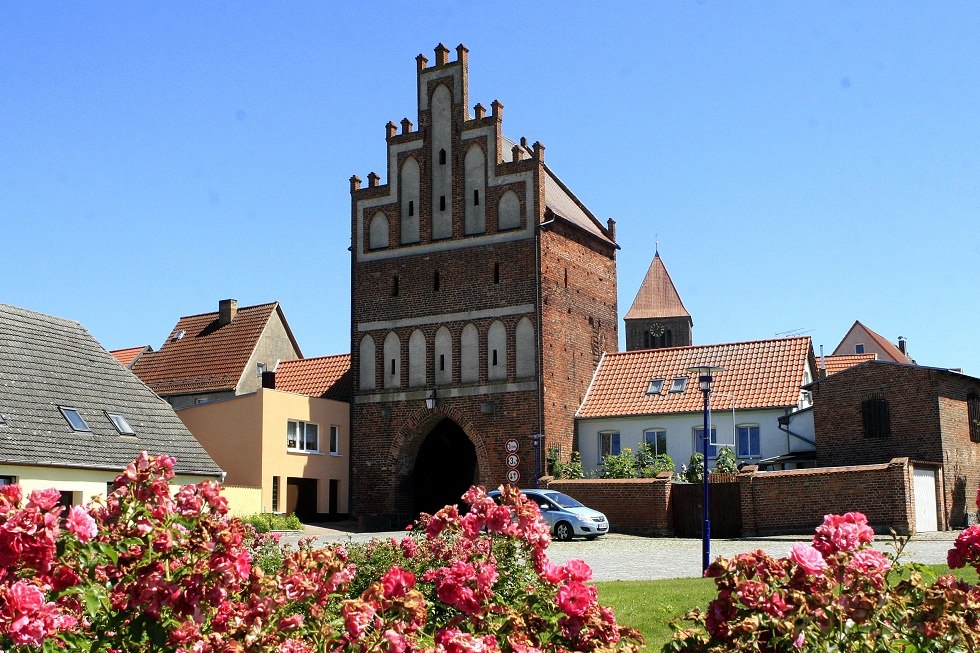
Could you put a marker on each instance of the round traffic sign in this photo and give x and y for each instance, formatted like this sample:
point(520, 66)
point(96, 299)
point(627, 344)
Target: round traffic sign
point(513, 460)
point(512, 446)
point(513, 476)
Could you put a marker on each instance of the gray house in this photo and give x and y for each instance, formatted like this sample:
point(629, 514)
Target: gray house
point(72, 417)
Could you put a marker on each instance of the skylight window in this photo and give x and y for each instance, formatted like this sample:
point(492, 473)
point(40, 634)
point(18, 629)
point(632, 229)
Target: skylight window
point(74, 419)
point(656, 386)
point(3, 422)
point(120, 423)
point(679, 384)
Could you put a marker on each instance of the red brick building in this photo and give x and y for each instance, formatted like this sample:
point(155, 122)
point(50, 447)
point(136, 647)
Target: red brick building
point(878, 410)
point(484, 293)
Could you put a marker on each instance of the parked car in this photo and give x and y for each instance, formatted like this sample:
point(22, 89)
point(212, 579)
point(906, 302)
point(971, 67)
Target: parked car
point(566, 516)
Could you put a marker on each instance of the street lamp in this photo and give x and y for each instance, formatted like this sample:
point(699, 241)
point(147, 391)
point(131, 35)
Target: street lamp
point(705, 376)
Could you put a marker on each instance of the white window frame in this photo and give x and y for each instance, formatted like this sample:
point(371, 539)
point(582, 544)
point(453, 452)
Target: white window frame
point(738, 441)
point(656, 448)
point(300, 443)
point(615, 444)
point(712, 440)
point(656, 386)
point(334, 440)
point(678, 384)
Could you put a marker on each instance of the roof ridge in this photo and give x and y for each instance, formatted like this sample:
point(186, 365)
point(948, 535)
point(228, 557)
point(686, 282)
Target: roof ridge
point(313, 358)
point(240, 308)
point(720, 344)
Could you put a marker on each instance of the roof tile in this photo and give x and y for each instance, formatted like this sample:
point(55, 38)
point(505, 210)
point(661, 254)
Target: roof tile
point(325, 376)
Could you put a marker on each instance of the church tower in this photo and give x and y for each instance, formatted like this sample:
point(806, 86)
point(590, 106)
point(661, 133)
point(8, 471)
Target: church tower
point(483, 295)
point(657, 317)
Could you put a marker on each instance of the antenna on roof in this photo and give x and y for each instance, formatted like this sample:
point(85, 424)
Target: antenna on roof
point(792, 333)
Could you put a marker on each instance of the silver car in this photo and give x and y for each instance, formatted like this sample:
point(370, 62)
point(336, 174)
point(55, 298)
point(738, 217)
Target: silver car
point(566, 516)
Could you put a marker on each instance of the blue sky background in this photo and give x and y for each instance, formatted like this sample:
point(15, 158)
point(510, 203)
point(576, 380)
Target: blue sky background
point(803, 165)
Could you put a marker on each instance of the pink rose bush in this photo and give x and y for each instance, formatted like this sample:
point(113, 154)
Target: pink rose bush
point(147, 569)
point(837, 594)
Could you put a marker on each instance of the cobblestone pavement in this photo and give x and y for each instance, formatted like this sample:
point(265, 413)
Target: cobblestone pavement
point(631, 557)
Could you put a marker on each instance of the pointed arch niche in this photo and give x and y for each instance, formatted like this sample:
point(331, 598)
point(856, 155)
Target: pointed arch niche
point(366, 370)
point(410, 182)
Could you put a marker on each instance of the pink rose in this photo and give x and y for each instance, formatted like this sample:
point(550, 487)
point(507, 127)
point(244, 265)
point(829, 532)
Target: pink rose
point(578, 570)
point(80, 523)
point(397, 582)
point(574, 598)
point(808, 559)
point(44, 499)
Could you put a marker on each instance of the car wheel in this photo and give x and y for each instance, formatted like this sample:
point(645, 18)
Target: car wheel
point(563, 531)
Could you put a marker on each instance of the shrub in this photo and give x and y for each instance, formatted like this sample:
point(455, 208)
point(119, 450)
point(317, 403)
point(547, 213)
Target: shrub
point(694, 471)
point(270, 521)
point(837, 594)
point(146, 570)
point(621, 465)
point(725, 463)
point(570, 470)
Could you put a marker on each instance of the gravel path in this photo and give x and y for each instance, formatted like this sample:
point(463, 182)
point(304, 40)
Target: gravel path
point(631, 557)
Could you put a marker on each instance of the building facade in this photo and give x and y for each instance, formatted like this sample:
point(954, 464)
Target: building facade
point(483, 295)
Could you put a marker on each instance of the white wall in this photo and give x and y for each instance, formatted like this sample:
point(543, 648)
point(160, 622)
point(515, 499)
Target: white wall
point(680, 433)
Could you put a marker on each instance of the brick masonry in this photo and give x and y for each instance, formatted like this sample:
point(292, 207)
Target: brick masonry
point(928, 419)
point(546, 270)
point(640, 506)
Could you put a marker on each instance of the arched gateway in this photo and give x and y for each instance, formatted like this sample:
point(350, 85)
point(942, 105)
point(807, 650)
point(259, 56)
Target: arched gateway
point(445, 467)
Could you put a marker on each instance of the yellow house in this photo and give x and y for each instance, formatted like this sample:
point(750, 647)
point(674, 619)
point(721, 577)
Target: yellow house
point(287, 449)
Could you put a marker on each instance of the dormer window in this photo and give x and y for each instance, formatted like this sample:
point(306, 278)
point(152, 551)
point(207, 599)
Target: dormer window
point(3, 422)
point(74, 419)
point(120, 423)
point(180, 334)
point(679, 384)
point(656, 386)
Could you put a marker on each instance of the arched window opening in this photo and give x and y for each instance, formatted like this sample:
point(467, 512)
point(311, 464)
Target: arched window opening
point(442, 157)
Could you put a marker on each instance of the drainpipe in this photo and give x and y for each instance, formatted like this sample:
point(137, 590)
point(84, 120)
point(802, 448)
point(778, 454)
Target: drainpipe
point(540, 338)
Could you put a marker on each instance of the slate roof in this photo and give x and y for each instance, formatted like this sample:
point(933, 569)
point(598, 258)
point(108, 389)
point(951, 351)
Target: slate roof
point(758, 374)
point(47, 362)
point(324, 376)
point(835, 364)
point(657, 296)
point(560, 200)
point(128, 356)
point(887, 347)
point(207, 357)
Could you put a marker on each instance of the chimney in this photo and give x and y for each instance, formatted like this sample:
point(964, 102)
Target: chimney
point(269, 380)
point(902, 346)
point(227, 309)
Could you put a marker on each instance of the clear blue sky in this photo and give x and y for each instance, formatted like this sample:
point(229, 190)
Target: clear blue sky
point(803, 165)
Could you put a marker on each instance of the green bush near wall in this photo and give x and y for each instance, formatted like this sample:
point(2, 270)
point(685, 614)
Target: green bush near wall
point(269, 521)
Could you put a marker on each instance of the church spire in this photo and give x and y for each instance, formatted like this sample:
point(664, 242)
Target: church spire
point(657, 317)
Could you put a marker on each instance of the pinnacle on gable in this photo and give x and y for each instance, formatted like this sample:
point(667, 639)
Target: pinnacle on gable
point(442, 55)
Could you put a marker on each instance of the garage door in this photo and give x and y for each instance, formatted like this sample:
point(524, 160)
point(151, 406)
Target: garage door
point(925, 500)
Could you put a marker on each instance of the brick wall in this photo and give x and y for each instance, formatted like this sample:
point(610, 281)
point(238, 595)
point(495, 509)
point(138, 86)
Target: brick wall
point(928, 418)
point(635, 505)
point(795, 501)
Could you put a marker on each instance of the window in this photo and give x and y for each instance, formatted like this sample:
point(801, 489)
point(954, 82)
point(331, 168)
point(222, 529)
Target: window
point(120, 423)
point(496, 272)
point(656, 386)
point(699, 441)
point(442, 202)
point(200, 400)
point(275, 494)
point(302, 436)
point(442, 157)
point(608, 444)
point(411, 207)
point(679, 384)
point(260, 369)
point(442, 362)
point(394, 286)
point(335, 440)
point(3, 422)
point(657, 439)
point(973, 414)
point(110, 487)
point(875, 415)
point(8, 480)
point(859, 348)
point(435, 281)
point(748, 441)
point(74, 419)
point(476, 197)
point(494, 357)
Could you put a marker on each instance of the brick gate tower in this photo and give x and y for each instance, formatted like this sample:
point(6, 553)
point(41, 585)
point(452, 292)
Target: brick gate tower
point(483, 294)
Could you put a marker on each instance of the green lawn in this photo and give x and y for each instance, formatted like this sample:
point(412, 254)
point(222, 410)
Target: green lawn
point(648, 605)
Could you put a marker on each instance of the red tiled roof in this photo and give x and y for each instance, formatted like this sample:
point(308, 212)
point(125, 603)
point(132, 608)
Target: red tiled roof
point(835, 364)
point(127, 356)
point(208, 357)
point(325, 376)
point(657, 296)
point(757, 374)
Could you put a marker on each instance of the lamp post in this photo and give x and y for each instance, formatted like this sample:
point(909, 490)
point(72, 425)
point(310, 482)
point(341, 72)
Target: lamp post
point(705, 376)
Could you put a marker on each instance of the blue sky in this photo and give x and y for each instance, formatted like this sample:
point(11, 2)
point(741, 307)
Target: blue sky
point(803, 165)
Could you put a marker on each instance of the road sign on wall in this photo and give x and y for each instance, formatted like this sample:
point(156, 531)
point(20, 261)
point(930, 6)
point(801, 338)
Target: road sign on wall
point(513, 476)
point(513, 460)
point(512, 446)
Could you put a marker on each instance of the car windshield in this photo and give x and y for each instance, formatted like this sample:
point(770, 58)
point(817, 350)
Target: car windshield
point(564, 500)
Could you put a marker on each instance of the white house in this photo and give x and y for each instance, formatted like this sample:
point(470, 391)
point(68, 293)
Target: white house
point(758, 406)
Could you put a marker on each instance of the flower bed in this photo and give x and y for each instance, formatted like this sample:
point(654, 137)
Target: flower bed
point(837, 594)
point(145, 570)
